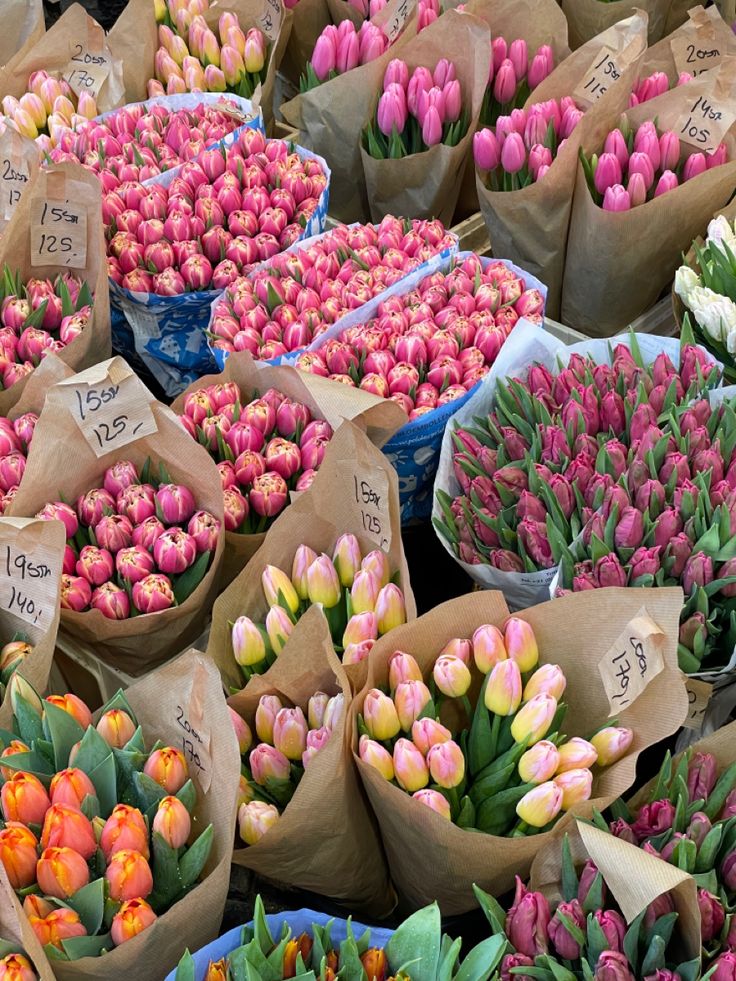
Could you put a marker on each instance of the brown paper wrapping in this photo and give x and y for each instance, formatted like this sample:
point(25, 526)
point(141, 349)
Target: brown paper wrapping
point(330, 119)
point(427, 185)
point(134, 40)
point(309, 19)
point(52, 52)
point(537, 22)
point(619, 262)
point(61, 462)
point(70, 181)
point(15, 927)
point(634, 877)
point(697, 24)
point(530, 226)
point(23, 25)
point(36, 667)
point(195, 920)
point(328, 818)
point(316, 519)
point(379, 417)
point(586, 18)
point(411, 832)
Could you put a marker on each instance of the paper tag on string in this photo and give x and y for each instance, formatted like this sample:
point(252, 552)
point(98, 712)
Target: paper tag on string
point(705, 121)
point(368, 491)
point(698, 697)
point(392, 18)
point(88, 68)
point(632, 662)
point(30, 571)
point(110, 405)
point(270, 19)
point(16, 154)
point(58, 233)
point(605, 69)
point(195, 736)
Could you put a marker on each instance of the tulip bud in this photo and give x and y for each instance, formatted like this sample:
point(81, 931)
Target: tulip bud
point(539, 763)
point(278, 628)
point(255, 819)
point(74, 706)
point(303, 558)
point(18, 854)
point(290, 733)
point(549, 679)
point(527, 921)
point(375, 755)
point(521, 644)
point(409, 766)
point(172, 822)
point(61, 872)
point(67, 827)
point(446, 764)
point(540, 805)
point(347, 559)
point(278, 589)
point(249, 648)
point(533, 719)
point(488, 647)
point(242, 731)
point(125, 829)
point(503, 688)
point(451, 676)
point(128, 876)
point(323, 584)
point(565, 944)
point(611, 744)
point(116, 728)
point(402, 667)
point(576, 786)
point(576, 753)
point(168, 768)
point(380, 715)
point(133, 917)
point(16, 967)
point(390, 608)
point(702, 774)
point(410, 699)
point(24, 799)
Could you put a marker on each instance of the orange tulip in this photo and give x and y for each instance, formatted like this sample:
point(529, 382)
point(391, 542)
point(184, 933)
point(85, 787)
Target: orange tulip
point(67, 827)
point(16, 967)
point(13, 747)
point(74, 706)
point(172, 822)
point(168, 768)
point(70, 787)
point(61, 872)
point(18, 854)
point(133, 917)
point(129, 876)
point(35, 905)
point(125, 829)
point(61, 924)
point(116, 728)
point(375, 964)
point(217, 970)
point(24, 799)
point(299, 945)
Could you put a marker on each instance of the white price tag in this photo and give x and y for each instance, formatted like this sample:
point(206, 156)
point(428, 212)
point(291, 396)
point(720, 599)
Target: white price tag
point(29, 577)
point(705, 122)
point(87, 70)
point(633, 661)
point(604, 70)
point(370, 492)
point(58, 234)
point(194, 733)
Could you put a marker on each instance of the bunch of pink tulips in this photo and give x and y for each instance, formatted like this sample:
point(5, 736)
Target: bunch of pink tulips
point(221, 214)
point(338, 49)
point(282, 307)
point(653, 85)
point(47, 110)
point(515, 73)
point(15, 440)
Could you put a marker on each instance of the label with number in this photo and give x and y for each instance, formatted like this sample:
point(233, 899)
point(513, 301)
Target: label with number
point(270, 19)
point(696, 53)
point(394, 16)
point(29, 579)
point(58, 234)
point(698, 697)
point(604, 70)
point(87, 70)
point(14, 176)
point(369, 489)
point(194, 735)
point(633, 661)
point(110, 406)
point(705, 122)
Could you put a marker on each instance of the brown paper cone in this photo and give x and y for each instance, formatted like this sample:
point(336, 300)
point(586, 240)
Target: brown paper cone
point(634, 877)
point(159, 701)
point(698, 27)
point(330, 119)
point(309, 19)
point(15, 927)
point(586, 18)
point(24, 536)
point(328, 818)
point(427, 185)
point(316, 519)
point(411, 832)
point(52, 52)
point(70, 182)
point(537, 23)
point(62, 462)
point(530, 226)
point(379, 418)
point(619, 262)
point(23, 25)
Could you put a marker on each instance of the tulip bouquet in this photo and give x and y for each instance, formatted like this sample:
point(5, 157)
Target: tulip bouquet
point(15, 439)
point(417, 113)
point(137, 544)
point(653, 85)
point(708, 292)
point(533, 472)
point(583, 934)
point(515, 73)
point(48, 110)
point(636, 166)
point(38, 316)
point(263, 449)
point(432, 345)
point(287, 740)
point(287, 303)
point(97, 826)
point(139, 142)
point(14, 965)
point(356, 593)
point(193, 58)
point(220, 214)
point(508, 770)
point(12, 656)
point(521, 148)
point(338, 49)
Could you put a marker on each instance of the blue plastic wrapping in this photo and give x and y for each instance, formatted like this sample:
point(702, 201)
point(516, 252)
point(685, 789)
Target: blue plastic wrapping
point(300, 921)
point(169, 331)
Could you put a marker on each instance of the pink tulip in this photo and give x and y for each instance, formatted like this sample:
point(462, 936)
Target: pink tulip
point(616, 198)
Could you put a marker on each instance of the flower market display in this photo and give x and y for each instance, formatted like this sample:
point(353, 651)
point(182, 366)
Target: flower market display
point(358, 620)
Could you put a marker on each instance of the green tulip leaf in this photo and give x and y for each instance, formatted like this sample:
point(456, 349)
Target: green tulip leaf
point(119, 701)
point(483, 959)
point(27, 720)
point(167, 880)
point(77, 947)
point(449, 953)
point(188, 796)
point(185, 583)
point(104, 778)
point(185, 968)
point(195, 858)
point(89, 903)
point(31, 762)
point(417, 940)
point(63, 730)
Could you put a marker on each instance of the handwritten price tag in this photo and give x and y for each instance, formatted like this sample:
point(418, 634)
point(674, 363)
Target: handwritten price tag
point(194, 734)
point(29, 578)
point(110, 406)
point(634, 660)
point(14, 175)
point(270, 19)
point(370, 492)
point(395, 16)
point(58, 234)
point(87, 70)
point(705, 122)
point(698, 697)
point(696, 55)
point(604, 70)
